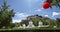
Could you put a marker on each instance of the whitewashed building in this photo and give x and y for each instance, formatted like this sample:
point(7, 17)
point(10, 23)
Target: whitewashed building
point(30, 25)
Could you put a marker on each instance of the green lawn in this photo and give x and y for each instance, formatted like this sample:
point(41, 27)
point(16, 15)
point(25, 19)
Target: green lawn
point(32, 29)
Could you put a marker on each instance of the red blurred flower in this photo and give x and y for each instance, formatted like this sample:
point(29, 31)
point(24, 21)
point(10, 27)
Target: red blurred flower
point(46, 5)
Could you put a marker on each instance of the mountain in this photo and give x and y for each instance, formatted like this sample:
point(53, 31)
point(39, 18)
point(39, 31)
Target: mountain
point(36, 18)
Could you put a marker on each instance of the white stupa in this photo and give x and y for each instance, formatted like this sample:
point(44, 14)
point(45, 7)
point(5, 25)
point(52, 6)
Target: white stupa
point(40, 24)
point(23, 26)
point(30, 25)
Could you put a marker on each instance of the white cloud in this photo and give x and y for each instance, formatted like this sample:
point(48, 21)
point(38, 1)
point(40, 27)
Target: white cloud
point(38, 10)
point(46, 15)
point(19, 17)
point(16, 21)
point(55, 13)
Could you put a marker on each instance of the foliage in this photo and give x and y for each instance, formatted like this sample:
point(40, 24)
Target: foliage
point(45, 20)
point(5, 15)
point(24, 22)
point(58, 22)
point(54, 2)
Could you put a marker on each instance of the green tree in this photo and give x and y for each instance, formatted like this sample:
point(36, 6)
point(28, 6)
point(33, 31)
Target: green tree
point(54, 2)
point(5, 15)
point(58, 22)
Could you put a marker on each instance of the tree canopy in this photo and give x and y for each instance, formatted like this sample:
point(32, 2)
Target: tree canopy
point(54, 2)
point(5, 15)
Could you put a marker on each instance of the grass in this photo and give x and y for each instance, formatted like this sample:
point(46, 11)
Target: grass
point(32, 29)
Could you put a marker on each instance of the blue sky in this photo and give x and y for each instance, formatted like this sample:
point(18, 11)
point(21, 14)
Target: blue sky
point(25, 8)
